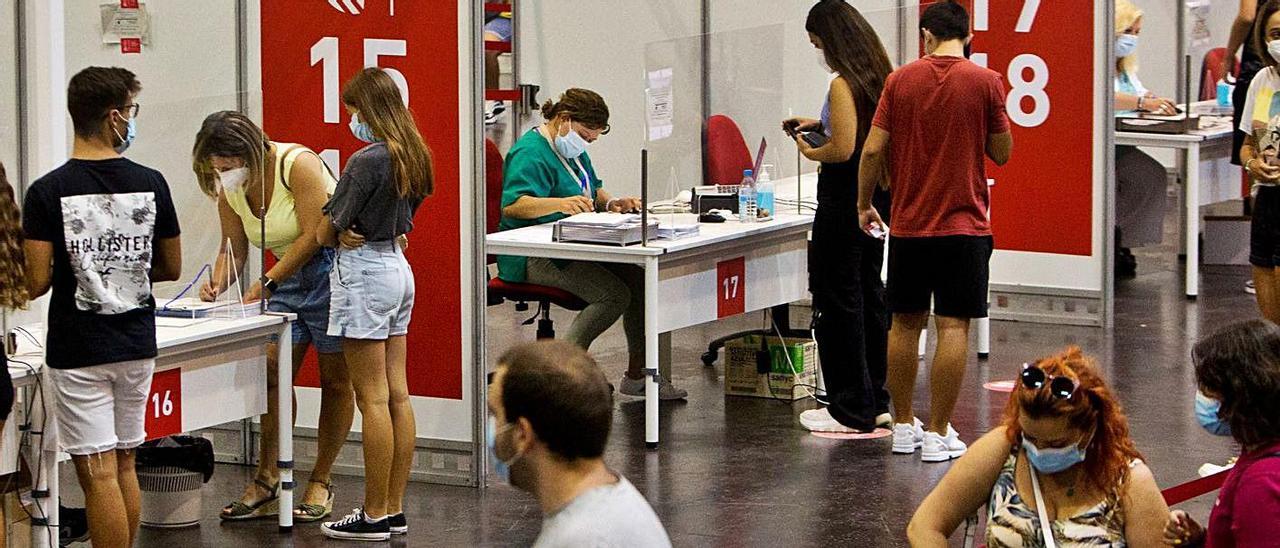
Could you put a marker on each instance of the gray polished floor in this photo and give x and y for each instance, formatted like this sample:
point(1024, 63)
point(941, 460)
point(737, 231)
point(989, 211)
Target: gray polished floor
point(740, 472)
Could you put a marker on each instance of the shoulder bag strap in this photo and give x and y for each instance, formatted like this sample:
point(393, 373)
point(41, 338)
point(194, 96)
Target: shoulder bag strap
point(1046, 526)
point(294, 151)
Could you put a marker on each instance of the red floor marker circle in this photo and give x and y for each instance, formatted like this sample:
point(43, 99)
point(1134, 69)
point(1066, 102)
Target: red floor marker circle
point(876, 434)
point(999, 386)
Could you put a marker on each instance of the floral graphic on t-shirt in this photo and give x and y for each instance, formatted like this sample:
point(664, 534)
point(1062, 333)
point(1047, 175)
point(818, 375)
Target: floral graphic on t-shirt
point(108, 239)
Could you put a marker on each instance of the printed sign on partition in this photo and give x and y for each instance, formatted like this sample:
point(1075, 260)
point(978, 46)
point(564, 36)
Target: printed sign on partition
point(731, 287)
point(310, 49)
point(164, 404)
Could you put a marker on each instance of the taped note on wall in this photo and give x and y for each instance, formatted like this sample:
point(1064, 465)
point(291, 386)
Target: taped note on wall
point(659, 110)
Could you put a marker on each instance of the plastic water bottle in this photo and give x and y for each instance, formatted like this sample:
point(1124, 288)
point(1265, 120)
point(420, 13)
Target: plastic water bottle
point(1224, 94)
point(764, 192)
point(747, 198)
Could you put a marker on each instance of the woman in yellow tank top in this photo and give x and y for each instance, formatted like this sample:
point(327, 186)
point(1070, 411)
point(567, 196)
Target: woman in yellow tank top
point(233, 161)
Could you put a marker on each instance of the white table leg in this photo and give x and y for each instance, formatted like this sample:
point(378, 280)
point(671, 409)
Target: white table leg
point(284, 399)
point(651, 352)
point(44, 450)
point(1191, 201)
point(984, 337)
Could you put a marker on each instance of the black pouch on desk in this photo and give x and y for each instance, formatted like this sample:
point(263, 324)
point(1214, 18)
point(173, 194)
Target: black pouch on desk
point(703, 203)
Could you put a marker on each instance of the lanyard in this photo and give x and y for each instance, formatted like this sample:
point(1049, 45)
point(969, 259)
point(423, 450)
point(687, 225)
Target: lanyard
point(585, 181)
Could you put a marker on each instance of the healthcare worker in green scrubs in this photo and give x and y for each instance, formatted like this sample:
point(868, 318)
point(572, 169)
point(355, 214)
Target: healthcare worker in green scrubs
point(548, 177)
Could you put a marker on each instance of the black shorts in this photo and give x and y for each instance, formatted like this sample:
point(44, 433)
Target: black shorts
point(1264, 230)
point(950, 271)
point(6, 393)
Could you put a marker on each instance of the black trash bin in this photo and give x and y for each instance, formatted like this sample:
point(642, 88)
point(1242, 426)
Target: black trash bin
point(171, 471)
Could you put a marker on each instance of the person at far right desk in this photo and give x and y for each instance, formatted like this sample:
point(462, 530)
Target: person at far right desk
point(1140, 179)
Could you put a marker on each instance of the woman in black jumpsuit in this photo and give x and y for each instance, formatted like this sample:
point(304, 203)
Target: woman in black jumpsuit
point(850, 320)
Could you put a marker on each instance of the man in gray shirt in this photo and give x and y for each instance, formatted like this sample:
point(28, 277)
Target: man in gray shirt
point(551, 410)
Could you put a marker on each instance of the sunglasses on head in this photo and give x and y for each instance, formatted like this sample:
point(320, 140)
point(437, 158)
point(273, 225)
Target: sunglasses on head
point(1034, 378)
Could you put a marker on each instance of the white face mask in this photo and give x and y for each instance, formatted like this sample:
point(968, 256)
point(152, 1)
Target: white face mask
point(1273, 47)
point(233, 179)
point(822, 61)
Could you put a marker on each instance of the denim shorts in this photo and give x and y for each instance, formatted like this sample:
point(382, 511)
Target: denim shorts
point(373, 292)
point(306, 293)
point(500, 27)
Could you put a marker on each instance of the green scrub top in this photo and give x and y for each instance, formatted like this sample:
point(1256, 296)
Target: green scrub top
point(533, 168)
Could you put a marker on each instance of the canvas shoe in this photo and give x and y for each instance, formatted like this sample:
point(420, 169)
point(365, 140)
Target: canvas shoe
point(907, 438)
point(357, 526)
point(939, 448)
point(820, 420)
point(399, 525)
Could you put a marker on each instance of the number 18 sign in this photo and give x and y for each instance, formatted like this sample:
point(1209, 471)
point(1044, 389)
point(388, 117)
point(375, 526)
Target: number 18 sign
point(1045, 192)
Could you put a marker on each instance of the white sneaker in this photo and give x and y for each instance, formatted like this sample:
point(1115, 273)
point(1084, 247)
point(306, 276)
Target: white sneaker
point(938, 448)
point(1209, 468)
point(1249, 288)
point(884, 420)
point(666, 390)
point(820, 420)
point(907, 438)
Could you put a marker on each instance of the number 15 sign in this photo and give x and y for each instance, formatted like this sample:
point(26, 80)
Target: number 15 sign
point(1045, 192)
point(310, 48)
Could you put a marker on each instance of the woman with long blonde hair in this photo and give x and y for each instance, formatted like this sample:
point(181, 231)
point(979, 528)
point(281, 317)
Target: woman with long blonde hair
point(373, 291)
point(1140, 179)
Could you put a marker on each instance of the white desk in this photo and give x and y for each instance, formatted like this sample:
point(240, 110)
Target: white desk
point(220, 368)
point(1192, 144)
point(729, 268)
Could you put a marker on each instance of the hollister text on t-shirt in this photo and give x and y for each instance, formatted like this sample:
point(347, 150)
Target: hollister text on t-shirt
point(939, 111)
point(103, 218)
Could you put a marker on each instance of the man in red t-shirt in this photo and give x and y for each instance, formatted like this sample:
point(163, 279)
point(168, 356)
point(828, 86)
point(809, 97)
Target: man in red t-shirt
point(938, 120)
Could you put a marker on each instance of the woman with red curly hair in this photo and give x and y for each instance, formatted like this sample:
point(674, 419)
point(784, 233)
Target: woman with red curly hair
point(1061, 470)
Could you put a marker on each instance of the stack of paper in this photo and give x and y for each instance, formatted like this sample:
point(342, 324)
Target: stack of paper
point(601, 228)
point(676, 231)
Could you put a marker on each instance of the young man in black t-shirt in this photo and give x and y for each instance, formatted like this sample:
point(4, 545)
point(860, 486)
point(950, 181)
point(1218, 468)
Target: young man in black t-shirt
point(99, 230)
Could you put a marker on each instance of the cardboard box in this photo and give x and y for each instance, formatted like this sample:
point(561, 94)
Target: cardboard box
point(742, 377)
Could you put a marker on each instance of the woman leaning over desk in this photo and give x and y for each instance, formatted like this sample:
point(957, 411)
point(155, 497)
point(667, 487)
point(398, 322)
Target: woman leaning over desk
point(548, 176)
point(257, 182)
point(851, 322)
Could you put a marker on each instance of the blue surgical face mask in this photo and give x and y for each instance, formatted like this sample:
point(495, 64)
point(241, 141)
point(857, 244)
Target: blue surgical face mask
point(1207, 414)
point(501, 468)
point(130, 133)
point(361, 130)
point(572, 145)
point(1126, 44)
point(1053, 460)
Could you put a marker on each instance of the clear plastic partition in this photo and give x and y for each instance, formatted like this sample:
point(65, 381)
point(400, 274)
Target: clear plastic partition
point(756, 77)
point(188, 68)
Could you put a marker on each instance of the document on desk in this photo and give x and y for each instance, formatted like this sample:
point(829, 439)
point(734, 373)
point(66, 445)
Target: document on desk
point(601, 219)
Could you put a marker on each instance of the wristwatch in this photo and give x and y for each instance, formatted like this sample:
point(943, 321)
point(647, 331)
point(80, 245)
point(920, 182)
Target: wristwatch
point(269, 284)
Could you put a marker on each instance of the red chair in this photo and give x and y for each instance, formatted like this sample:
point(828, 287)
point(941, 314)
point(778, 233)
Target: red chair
point(727, 153)
point(1211, 72)
point(522, 294)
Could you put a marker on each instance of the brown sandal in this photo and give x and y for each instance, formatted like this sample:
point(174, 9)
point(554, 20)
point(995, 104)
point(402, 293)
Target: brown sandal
point(307, 513)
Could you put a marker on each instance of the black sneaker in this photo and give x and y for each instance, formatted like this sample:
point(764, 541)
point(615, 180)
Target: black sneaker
point(356, 526)
point(399, 525)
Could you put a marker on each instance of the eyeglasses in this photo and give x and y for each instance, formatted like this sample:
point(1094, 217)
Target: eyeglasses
point(590, 133)
point(132, 109)
point(1034, 378)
